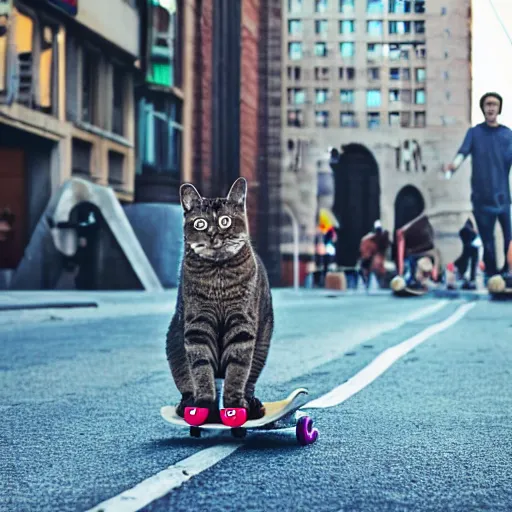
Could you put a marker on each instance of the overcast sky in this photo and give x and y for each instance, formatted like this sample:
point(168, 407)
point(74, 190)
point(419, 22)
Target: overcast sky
point(492, 56)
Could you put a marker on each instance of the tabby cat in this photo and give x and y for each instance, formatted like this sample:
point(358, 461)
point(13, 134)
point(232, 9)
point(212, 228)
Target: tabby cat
point(224, 319)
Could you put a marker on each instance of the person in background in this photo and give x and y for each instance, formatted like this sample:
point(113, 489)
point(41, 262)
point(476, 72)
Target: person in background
point(490, 146)
point(471, 244)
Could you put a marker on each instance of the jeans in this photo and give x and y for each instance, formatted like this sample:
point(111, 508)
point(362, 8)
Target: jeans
point(485, 221)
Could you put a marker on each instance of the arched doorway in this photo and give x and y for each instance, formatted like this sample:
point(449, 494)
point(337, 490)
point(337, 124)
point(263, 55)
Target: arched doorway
point(409, 204)
point(356, 198)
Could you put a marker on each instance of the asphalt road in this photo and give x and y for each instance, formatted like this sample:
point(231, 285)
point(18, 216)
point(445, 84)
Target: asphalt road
point(80, 396)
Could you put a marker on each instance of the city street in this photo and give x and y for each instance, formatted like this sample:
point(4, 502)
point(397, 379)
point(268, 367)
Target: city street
point(427, 426)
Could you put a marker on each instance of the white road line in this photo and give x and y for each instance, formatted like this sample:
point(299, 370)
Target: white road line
point(380, 364)
point(165, 481)
point(162, 483)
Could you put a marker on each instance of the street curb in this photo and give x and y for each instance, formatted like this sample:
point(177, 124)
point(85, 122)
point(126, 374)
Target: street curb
point(48, 305)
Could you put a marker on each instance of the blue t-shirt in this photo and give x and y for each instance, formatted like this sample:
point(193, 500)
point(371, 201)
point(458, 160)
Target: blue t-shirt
point(490, 148)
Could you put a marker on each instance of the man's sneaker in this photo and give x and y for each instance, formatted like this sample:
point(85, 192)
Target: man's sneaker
point(469, 285)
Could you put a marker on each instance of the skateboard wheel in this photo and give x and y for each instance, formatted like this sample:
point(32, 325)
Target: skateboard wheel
point(238, 433)
point(233, 417)
point(195, 432)
point(398, 284)
point(305, 432)
point(496, 284)
point(195, 416)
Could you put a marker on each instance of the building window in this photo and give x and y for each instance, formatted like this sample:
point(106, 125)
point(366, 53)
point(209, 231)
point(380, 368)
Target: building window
point(294, 72)
point(322, 73)
point(295, 6)
point(419, 6)
point(421, 74)
point(375, 6)
point(373, 120)
point(405, 119)
point(406, 74)
point(399, 6)
point(296, 96)
point(346, 27)
point(321, 27)
point(346, 96)
point(118, 100)
point(90, 73)
point(164, 66)
point(321, 96)
point(322, 118)
point(373, 74)
point(320, 5)
point(373, 98)
point(419, 96)
point(394, 73)
point(48, 69)
point(295, 118)
point(346, 6)
point(295, 51)
point(81, 158)
point(115, 168)
point(374, 27)
point(348, 119)
point(394, 95)
point(373, 51)
point(350, 73)
point(347, 49)
point(320, 50)
point(399, 27)
point(419, 27)
point(160, 135)
point(421, 52)
point(419, 119)
point(406, 95)
point(294, 27)
point(394, 119)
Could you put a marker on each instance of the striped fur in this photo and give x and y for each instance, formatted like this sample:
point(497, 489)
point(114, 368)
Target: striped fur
point(224, 318)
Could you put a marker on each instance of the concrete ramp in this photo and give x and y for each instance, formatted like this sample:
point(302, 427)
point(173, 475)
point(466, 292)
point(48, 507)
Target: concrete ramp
point(41, 265)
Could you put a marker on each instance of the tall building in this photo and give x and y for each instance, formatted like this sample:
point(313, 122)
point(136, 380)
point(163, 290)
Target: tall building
point(387, 85)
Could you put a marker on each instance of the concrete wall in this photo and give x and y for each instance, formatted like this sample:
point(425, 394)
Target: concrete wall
point(114, 20)
point(159, 229)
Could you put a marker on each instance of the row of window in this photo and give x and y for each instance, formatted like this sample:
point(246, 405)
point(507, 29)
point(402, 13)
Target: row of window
point(348, 6)
point(349, 73)
point(350, 120)
point(298, 96)
point(392, 51)
point(373, 27)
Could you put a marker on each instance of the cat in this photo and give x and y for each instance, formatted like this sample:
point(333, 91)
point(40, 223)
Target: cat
point(224, 318)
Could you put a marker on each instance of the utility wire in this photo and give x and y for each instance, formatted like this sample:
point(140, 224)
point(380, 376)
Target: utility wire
point(500, 21)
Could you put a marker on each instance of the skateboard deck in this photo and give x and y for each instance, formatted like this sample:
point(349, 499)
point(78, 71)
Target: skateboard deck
point(280, 414)
point(498, 289)
point(400, 288)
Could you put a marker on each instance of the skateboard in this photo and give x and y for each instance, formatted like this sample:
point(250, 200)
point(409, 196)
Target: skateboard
point(400, 288)
point(281, 414)
point(498, 288)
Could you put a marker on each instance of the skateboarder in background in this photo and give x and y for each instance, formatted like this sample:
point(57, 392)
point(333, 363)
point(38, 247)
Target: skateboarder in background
point(490, 147)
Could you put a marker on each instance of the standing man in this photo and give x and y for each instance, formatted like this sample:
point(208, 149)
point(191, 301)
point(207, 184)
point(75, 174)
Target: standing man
point(490, 147)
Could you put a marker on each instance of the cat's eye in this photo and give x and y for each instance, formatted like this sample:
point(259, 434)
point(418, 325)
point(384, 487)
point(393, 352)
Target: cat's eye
point(224, 221)
point(200, 224)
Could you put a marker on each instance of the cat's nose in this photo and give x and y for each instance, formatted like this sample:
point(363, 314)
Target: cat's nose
point(217, 244)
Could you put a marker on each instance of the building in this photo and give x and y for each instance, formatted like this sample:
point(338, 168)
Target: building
point(137, 97)
point(387, 85)
point(67, 72)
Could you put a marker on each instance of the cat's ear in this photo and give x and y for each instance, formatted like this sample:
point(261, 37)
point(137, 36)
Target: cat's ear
point(238, 192)
point(189, 196)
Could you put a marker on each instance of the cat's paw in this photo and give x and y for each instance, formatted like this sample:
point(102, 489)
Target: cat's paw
point(256, 409)
point(185, 401)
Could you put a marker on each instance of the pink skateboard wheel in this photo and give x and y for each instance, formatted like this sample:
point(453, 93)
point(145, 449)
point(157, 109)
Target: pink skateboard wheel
point(196, 416)
point(234, 417)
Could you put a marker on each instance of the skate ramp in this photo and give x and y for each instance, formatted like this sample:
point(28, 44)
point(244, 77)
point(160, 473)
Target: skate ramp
point(41, 266)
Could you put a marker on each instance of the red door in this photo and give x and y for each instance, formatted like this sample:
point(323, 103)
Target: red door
point(12, 197)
